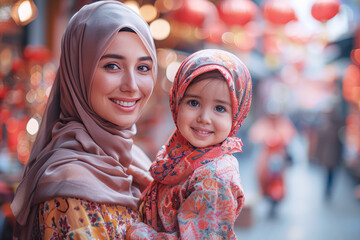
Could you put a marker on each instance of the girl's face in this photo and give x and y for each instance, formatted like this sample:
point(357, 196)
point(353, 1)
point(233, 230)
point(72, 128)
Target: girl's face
point(123, 80)
point(204, 115)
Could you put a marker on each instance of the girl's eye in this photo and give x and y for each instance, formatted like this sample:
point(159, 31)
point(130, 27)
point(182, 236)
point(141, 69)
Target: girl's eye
point(193, 103)
point(144, 68)
point(111, 66)
point(220, 109)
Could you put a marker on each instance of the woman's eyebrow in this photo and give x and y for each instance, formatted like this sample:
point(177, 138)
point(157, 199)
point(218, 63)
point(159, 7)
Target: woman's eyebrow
point(145, 58)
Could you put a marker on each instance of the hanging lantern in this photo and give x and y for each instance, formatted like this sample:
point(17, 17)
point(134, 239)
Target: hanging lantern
point(324, 10)
point(278, 12)
point(213, 32)
point(237, 12)
point(194, 12)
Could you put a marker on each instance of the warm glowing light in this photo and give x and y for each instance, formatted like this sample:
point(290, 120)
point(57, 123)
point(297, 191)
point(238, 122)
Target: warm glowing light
point(160, 29)
point(167, 5)
point(148, 12)
point(24, 11)
point(171, 70)
point(228, 38)
point(133, 5)
point(166, 56)
point(32, 127)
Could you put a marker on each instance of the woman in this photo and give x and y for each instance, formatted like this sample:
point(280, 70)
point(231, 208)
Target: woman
point(84, 175)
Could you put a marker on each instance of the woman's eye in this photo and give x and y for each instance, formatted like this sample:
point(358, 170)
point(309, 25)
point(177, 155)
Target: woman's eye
point(144, 68)
point(111, 66)
point(220, 109)
point(193, 103)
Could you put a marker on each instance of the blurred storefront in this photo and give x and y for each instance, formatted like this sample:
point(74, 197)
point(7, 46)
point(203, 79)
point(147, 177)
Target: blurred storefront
point(304, 58)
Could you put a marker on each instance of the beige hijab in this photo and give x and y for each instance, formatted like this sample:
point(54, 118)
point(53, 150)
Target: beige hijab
point(76, 153)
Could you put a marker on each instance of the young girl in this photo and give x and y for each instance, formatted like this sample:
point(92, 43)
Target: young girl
point(196, 192)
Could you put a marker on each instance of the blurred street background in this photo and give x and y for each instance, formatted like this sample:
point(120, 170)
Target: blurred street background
point(300, 164)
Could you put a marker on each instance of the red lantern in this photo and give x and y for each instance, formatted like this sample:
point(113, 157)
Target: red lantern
point(278, 12)
point(237, 12)
point(213, 32)
point(194, 12)
point(324, 10)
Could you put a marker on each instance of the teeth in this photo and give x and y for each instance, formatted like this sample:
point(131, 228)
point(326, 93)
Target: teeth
point(203, 132)
point(124, 104)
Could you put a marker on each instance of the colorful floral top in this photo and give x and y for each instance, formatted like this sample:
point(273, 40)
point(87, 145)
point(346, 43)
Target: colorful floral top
point(71, 218)
point(203, 206)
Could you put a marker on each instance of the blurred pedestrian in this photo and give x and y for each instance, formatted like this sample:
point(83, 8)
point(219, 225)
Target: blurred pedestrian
point(328, 151)
point(273, 132)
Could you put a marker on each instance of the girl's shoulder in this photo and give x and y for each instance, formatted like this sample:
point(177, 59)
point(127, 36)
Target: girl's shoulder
point(225, 167)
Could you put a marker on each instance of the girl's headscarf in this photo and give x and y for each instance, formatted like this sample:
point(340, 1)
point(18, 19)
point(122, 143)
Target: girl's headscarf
point(76, 153)
point(176, 160)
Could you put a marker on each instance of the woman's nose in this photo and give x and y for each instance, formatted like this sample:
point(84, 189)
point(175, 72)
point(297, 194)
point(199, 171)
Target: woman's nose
point(204, 116)
point(129, 84)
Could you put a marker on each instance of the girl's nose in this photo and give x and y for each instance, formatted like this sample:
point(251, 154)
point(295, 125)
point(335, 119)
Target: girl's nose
point(204, 117)
point(128, 83)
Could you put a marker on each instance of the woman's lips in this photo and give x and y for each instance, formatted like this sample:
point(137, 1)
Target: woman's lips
point(127, 105)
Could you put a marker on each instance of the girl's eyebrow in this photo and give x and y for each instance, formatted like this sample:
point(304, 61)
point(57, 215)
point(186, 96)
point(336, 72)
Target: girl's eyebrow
point(145, 58)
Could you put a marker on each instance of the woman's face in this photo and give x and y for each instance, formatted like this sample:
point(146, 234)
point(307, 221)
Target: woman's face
point(123, 80)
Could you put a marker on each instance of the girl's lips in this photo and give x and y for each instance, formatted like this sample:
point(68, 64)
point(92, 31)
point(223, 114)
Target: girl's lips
point(126, 105)
point(201, 132)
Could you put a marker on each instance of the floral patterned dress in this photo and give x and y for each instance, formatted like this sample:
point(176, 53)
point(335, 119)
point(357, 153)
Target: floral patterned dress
point(72, 218)
point(203, 206)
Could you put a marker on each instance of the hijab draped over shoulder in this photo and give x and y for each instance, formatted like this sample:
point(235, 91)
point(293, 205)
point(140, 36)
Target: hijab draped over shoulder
point(178, 158)
point(76, 153)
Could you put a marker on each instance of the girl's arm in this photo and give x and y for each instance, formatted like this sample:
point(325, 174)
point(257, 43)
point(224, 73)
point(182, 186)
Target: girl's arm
point(209, 212)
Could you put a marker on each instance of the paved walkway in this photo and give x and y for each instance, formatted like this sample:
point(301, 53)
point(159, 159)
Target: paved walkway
point(304, 213)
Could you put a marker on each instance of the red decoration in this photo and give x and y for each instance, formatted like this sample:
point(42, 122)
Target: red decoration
point(213, 32)
point(278, 12)
point(355, 56)
point(324, 10)
point(37, 53)
point(237, 12)
point(351, 84)
point(194, 12)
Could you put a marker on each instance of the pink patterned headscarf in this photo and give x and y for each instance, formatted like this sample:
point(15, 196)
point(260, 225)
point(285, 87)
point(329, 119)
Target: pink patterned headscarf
point(178, 158)
point(77, 153)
